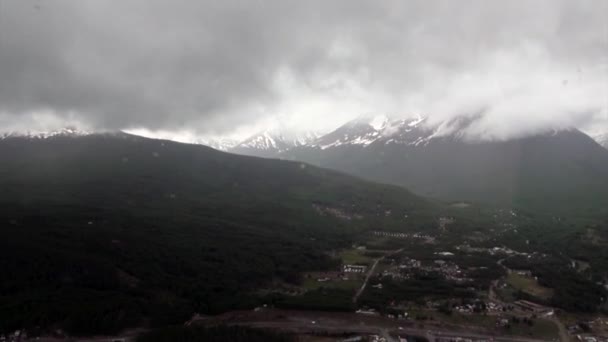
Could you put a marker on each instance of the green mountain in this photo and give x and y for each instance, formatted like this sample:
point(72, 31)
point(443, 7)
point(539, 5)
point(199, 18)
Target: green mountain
point(106, 231)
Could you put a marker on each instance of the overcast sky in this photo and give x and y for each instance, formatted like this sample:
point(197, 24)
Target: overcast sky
point(219, 67)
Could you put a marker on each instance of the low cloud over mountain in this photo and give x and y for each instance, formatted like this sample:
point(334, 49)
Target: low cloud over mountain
point(208, 67)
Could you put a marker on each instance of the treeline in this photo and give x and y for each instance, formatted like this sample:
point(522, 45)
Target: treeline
point(59, 272)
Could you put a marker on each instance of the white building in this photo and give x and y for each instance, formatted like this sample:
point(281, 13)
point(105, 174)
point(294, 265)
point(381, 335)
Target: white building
point(354, 268)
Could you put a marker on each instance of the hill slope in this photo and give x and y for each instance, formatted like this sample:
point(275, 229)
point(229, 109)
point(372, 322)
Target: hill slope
point(136, 227)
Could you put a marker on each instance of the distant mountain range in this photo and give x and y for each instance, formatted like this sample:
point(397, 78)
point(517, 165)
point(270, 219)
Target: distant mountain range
point(63, 132)
point(271, 143)
point(551, 170)
point(364, 132)
point(361, 131)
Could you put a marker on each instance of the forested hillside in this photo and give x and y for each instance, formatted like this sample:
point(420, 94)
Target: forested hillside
point(100, 232)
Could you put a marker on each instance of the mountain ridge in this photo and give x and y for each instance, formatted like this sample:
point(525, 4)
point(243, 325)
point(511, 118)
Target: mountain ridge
point(68, 131)
point(441, 162)
point(602, 139)
point(270, 143)
point(450, 167)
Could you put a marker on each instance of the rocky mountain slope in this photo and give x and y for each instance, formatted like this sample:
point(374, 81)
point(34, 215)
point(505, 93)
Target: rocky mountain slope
point(271, 143)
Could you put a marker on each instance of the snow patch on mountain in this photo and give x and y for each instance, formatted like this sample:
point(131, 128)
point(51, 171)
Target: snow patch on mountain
point(264, 141)
point(602, 139)
point(414, 123)
point(271, 142)
point(365, 132)
point(63, 132)
point(304, 138)
point(379, 122)
point(222, 144)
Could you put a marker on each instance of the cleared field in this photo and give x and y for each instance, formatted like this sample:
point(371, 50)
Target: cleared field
point(312, 283)
point(529, 285)
point(507, 294)
point(355, 257)
point(541, 328)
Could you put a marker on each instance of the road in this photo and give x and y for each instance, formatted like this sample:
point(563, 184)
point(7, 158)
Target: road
point(563, 333)
point(492, 293)
point(371, 272)
point(320, 322)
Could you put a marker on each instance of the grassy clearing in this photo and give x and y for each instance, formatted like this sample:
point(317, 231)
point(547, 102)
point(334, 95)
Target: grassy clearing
point(355, 257)
point(311, 283)
point(529, 285)
point(542, 328)
point(507, 294)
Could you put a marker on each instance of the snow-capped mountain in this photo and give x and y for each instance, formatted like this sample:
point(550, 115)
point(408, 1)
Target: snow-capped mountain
point(63, 132)
point(366, 131)
point(271, 143)
point(263, 144)
point(557, 169)
point(360, 132)
point(303, 138)
point(440, 161)
point(222, 144)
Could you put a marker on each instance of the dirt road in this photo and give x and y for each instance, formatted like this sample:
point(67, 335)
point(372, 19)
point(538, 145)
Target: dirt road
point(371, 272)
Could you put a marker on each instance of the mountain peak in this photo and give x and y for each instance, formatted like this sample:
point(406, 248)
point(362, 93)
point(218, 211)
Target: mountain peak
point(269, 143)
point(265, 140)
point(365, 131)
point(379, 122)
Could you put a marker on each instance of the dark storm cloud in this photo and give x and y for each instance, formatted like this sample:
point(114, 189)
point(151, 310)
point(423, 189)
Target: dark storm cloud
point(208, 65)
